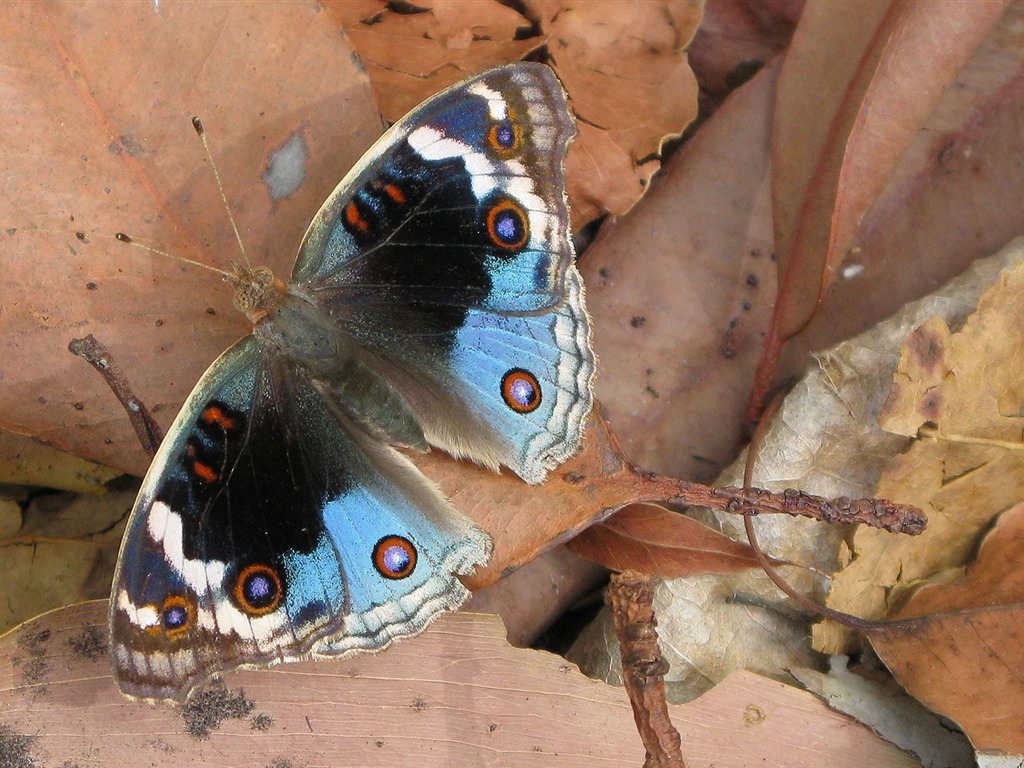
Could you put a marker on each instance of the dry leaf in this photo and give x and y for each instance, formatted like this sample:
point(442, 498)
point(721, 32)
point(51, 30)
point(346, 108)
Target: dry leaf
point(681, 293)
point(127, 77)
point(969, 468)
point(963, 656)
point(456, 695)
point(412, 52)
point(651, 539)
point(735, 39)
point(949, 198)
point(889, 712)
point(825, 438)
point(844, 116)
point(627, 75)
point(992, 580)
point(525, 520)
point(24, 461)
point(62, 551)
point(966, 666)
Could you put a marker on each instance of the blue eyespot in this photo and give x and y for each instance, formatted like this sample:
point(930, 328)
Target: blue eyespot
point(394, 557)
point(504, 136)
point(507, 225)
point(176, 614)
point(258, 589)
point(520, 390)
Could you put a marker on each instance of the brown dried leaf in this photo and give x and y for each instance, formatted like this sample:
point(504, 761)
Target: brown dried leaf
point(62, 551)
point(627, 75)
point(840, 128)
point(966, 666)
point(963, 656)
point(991, 580)
point(967, 384)
point(941, 207)
point(651, 539)
point(127, 79)
point(681, 290)
point(845, 116)
point(623, 65)
point(735, 39)
point(24, 461)
point(413, 52)
point(968, 468)
point(456, 695)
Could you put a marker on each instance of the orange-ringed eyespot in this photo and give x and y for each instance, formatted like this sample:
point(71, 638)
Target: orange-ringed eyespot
point(504, 136)
point(175, 614)
point(258, 589)
point(394, 557)
point(507, 225)
point(520, 390)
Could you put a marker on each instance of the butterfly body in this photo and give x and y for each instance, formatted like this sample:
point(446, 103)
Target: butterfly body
point(434, 302)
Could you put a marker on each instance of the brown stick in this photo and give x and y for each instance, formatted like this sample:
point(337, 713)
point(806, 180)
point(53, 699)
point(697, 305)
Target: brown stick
point(630, 596)
point(146, 428)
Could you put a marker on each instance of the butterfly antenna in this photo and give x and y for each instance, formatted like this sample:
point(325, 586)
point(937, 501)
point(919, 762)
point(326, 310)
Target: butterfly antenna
point(125, 239)
point(198, 125)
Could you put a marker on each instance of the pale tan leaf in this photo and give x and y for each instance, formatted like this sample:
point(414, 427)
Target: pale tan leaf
point(456, 695)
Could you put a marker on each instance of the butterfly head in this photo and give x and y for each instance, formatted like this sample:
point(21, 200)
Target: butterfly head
point(257, 291)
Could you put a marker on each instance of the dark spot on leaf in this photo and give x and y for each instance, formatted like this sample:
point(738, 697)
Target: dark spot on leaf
point(931, 405)
point(161, 745)
point(129, 142)
point(15, 748)
point(35, 671)
point(33, 641)
point(91, 644)
point(208, 709)
point(261, 722)
point(926, 349)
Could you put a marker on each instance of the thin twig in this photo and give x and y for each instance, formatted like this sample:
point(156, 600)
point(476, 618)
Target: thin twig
point(146, 428)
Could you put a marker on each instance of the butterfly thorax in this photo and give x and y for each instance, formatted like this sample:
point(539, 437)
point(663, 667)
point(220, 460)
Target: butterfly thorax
point(257, 291)
point(292, 328)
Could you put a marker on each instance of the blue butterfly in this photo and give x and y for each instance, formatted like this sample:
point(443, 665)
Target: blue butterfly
point(434, 302)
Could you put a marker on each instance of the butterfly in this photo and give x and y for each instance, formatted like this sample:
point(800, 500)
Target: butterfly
point(434, 302)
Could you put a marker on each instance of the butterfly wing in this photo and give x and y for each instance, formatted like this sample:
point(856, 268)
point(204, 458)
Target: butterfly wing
point(268, 522)
point(446, 255)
